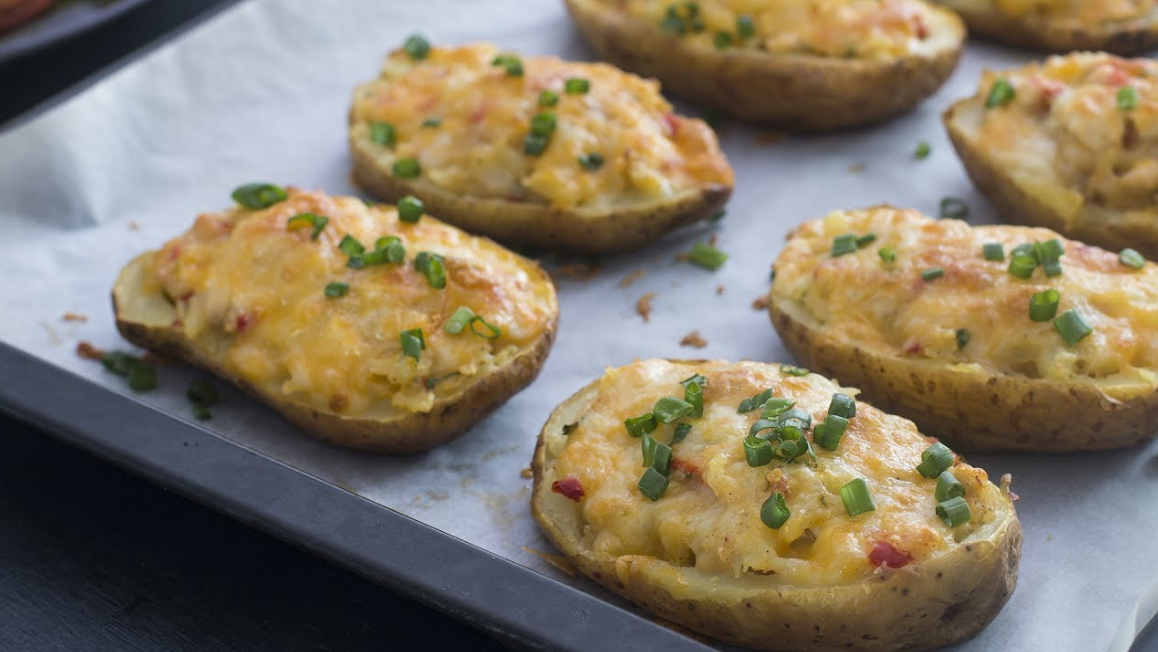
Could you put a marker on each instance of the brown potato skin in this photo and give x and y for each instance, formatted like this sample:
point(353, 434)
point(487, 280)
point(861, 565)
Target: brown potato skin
point(411, 433)
point(974, 411)
point(799, 93)
point(930, 604)
point(1125, 39)
point(1113, 232)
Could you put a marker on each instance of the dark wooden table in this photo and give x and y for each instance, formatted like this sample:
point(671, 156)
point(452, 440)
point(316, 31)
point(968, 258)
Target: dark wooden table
point(94, 559)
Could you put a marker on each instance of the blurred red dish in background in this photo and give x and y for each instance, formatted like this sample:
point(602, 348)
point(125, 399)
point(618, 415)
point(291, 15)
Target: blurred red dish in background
point(14, 13)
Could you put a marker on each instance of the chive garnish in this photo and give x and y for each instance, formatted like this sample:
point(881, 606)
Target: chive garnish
point(653, 483)
point(337, 289)
point(141, 376)
point(1072, 327)
point(793, 370)
point(591, 162)
point(543, 124)
point(458, 320)
point(202, 392)
point(548, 98)
point(1127, 98)
point(1000, 94)
point(681, 432)
point(576, 86)
point(534, 145)
point(774, 407)
point(641, 425)
point(694, 396)
point(382, 133)
point(256, 196)
point(842, 405)
point(745, 27)
point(1131, 258)
point(994, 251)
point(954, 511)
point(794, 418)
point(774, 512)
point(1022, 265)
point(932, 274)
point(844, 244)
point(828, 434)
point(201, 412)
point(856, 498)
point(695, 378)
point(722, 40)
point(313, 220)
point(413, 343)
point(387, 249)
point(962, 336)
point(1043, 305)
point(935, 460)
point(670, 408)
point(948, 486)
point(706, 256)
point(416, 47)
point(888, 255)
point(754, 402)
point(757, 452)
point(511, 63)
point(350, 245)
point(954, 208)
point(410, 209)
point(431, 266)
point(432, 123)
point(922, 152)
point(568, 428)
point(407, 168)
point(866, 240)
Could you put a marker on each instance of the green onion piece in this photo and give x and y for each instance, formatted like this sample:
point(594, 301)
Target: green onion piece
point(301, 220)
point(1026, 249)
point(647, 444)
point(774, 512)
point(1049, 250)
point(774, 407)
point(410, 209)
point(795, 416)
point(1072, 327)
point(788, 451)
point(1022, 265)
point(888, 255)
point(856, 498)
point(202, 392)
point(119, 362)
point(337, 289)
point(761, 424)
point(745, 27)
point(660, 457)
point(695, 378)
point(1001, 94)
point(458, 320)
point(954, 511)
point(591, 162)
point(935, 460)
point(842, 405)
point(417, 47)
point(383, 133)
point(432, 123)
point(828, 434)
point(543, 124)
point(511, 63)
point(993, 251)
point(1043, 305)
point(722, 40)
point(673, 24)
point(865, 240)
point(653, 483)
point(706, 256)
point(757, 452)
point(430, 264)
point(694, 395)
point(639, 426)
point(670, 408)
point(534, 145)
point(1127, 98)
point(388, 249)
point(548, 98)
point(932, 273)
point(772, 274)
point(1131, 258)
point(142, 378)
point(350, 246)
point(491, 331)
point(568, 428)
point(356, 262)
point(201, 412)
point(407, 168)
point(576, 86)
point(844, 244)
point(413, 343)
point(681, 432)
point(948, 486)
point(954, 208)
point(754, 402)
point(255, 196)
point(793, 370)
point(962, 338)
point(923, 150)
point(1052, 268)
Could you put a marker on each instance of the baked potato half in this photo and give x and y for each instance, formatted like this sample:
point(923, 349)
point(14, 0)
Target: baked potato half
point(534, 151)
point(800, 65)
point(772, 540)
point(370, 327)
point(1070, 144)
point(1125, 27)
point(993, 337)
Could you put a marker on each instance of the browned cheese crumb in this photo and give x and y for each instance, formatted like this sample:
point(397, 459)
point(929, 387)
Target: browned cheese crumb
point(133, 226)
point(89, 352)
point(694, 339)
point(626, 281)
point(577, 271)
point(856, 168)
point(761, 302)
point(74, 316)
point(719, 289)
point(643, 306)
point(527, 473)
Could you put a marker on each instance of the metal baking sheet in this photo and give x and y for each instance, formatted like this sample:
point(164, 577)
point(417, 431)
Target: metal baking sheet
point(64, 21)
point(260, 92)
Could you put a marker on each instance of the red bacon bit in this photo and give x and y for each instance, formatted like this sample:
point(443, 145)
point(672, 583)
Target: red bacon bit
point(672, 122)
point(684, 466)
point(914, 348)
point(241, 323)
point(188, 295)
point(885, 554)
point(477, 115)
point(568, 487)
point(922, 28)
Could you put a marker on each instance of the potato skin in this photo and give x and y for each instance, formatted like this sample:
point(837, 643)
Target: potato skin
point(137, 313)
point(799, 93)
point(1126, 39)
point(537, 224)
point(930, 604)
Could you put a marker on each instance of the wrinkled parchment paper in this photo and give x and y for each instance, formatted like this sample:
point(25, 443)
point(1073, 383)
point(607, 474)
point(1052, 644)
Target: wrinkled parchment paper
point(261, 93)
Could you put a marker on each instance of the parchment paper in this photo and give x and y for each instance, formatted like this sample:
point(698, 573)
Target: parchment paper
point(261, 93)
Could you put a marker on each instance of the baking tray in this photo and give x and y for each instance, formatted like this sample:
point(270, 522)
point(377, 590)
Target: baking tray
point(60, 23)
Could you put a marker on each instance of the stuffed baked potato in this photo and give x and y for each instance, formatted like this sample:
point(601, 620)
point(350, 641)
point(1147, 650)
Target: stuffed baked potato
point(1070, 144)
point(994, 337)
point(534, 151)
point(824, 529)
point(802, 65)
point(371, 327)
point(1125, 27)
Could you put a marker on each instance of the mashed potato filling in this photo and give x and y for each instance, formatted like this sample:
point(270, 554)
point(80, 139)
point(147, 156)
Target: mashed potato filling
point(1089, 12)
point(254, 292)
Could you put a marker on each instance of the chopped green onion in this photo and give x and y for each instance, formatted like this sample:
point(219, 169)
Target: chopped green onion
point(888, 255)
point(568, 428)
point(1127, 98)
point(356, 262)
point(935, 460)
point(745, 27)
point(653, 483)
point(255, 196)
point(142, 378)
point(407, 168)
point(844, 244)
point(202, 392)
point(865, 240)
point(757, 452)
point(543, 124)
point(754, 402)
point(639, 426)
point(954, 208)
point(458, 320)
point(201, 412)
point(923, 150)
point(647, 444)
point(417, 47)
point(761, 424)
point(413, 343)
point(1048, 253)
point(694, 395)
point(1022, 265)
point(119, 362)
point(795, 418)
point(994, 251)
point(430, 264)
point(954, 511)
point(828, 434)
point(410, 209)
point(350, 246)
point(383, 133)
point(1026, 249)
point(670, 408)
point(591, 162)
point(576, 86)
point(1131, 258)
point(793, 370)
point(511, 63)
point(661, 458)
point(681, 432)
point(337, 289)
point(695, 378)
point(789, 450)
point(534, 145)
point(432, 123)
point(1072, 327)
point(774, 407)
point(386, 249)
point(317, 222)
point(1043, 305)
point(548, 98)
point(842, 405)
point(1001, 94)
point(962, 336)
point(722, 40)
point(774, 512)
point(932, 273)
point(948, 486)
point(856, 498)
point(706, 256)
point(492, 332)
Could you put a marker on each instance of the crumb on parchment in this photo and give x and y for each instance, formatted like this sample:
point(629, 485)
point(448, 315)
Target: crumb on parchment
point(719, 289)
point(857, 168)
point(694, 339)
point(74, 316)
point(626, 281)
point(89, 352)
point(577, 271)
point(643, 306)
point(133, 226)
point(527, 473)
point(761, 302)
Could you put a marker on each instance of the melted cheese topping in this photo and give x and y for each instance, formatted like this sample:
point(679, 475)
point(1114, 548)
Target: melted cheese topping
point(1065, 127)
point(648, 152)
point(709, 516)
point(891, 310)
point(831, 28)
point(253, 291)
point(1088, 12)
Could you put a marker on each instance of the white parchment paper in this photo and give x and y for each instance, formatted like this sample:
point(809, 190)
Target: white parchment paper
point(261, 93)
